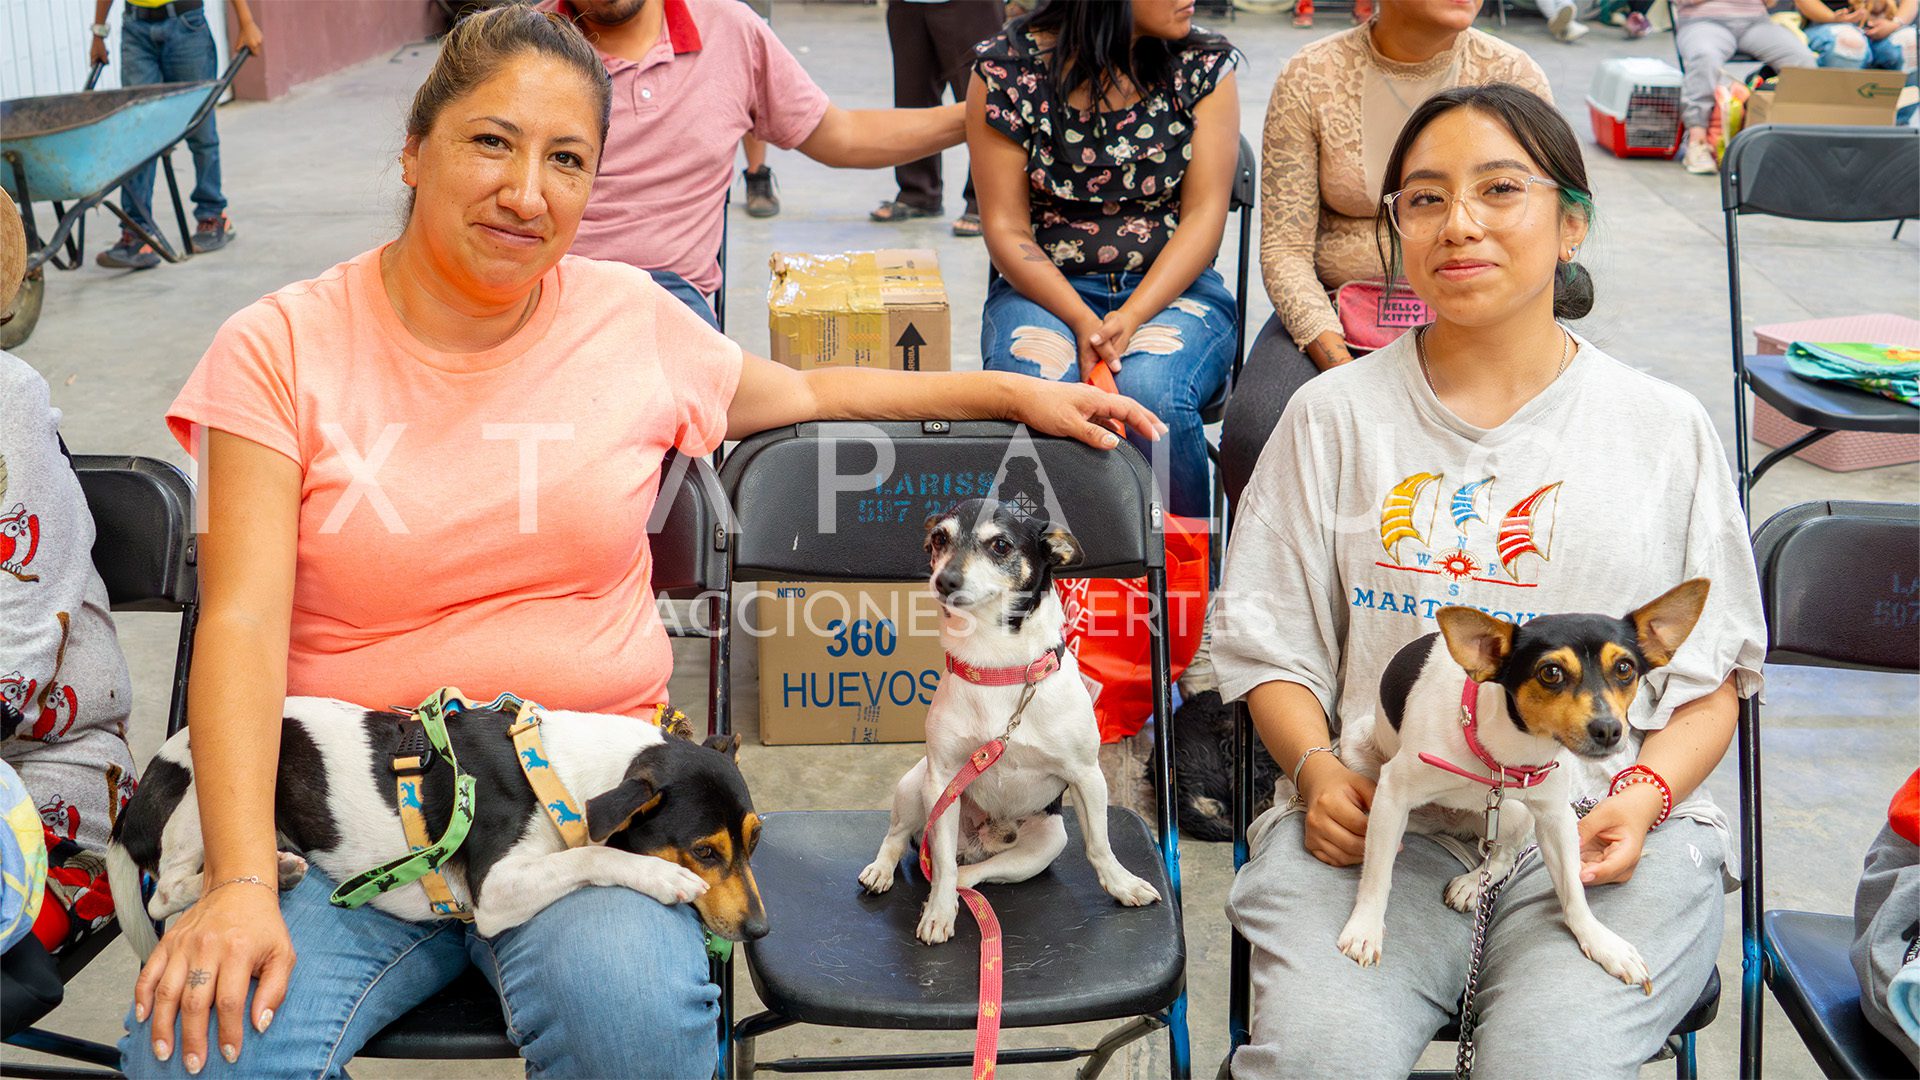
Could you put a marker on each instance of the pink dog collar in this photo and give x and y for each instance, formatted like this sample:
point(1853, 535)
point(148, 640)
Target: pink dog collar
point(1523, 776)
point(1024, 675)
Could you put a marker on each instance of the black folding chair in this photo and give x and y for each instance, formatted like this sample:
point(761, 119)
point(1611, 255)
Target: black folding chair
point(1825, 569)
point(688, 540)
point(1812, 173)
point(144, 550)
point(1246, 193)
point(840, 957)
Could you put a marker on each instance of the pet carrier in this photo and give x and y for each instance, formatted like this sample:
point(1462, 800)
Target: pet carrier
point(1635, 107)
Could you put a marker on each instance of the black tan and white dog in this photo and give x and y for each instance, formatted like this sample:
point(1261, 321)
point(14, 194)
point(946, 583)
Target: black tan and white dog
point(1001, 624)
point(665, 816)
point(1542, 695)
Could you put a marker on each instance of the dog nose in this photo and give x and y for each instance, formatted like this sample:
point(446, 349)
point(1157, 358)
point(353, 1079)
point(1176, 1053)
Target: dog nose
point(755, 927)
point(948, 581)
point(1604, 730)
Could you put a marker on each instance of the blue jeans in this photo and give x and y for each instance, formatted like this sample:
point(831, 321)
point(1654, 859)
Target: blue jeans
point(683, 291)
point(1842, 45)
point(175, 49)
point(604, 982)
point(1175, 370)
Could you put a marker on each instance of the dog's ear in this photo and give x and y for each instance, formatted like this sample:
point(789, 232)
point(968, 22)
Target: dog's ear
point(1062, 548)
point(638, 794)
point(726, 744)
point(1478, 641)
point(1662, 625)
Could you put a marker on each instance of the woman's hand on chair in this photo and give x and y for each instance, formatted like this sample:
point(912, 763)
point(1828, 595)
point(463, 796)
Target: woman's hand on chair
point(1337, 800)
point(1079, 411)
point(1613, 834)
point(205, 964)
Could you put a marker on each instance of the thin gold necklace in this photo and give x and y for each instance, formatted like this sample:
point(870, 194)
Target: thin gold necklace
point(1420, 351)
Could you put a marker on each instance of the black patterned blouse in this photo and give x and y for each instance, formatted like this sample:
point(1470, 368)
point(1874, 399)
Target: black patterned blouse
point(1104, 189)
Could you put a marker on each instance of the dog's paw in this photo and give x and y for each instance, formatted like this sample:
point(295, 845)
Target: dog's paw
point(1128, 888)
point(936, 921)
point(1361, 940)
point(292, 869)
point(1617, 956)
point(878, 876)
point(669, 883)
point(1463, 892)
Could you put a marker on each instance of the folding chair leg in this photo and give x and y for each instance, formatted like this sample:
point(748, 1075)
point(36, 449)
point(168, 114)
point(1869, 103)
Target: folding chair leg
point(1103, 1051)
point(1684, 1064)
point(1178, 1049)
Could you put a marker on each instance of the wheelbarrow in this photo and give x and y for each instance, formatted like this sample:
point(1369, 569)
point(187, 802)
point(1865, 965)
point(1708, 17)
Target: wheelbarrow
point(74, 150)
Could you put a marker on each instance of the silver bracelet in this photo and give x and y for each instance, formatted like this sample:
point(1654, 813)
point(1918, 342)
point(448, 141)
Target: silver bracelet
point(1302, 763)
point(250, 879)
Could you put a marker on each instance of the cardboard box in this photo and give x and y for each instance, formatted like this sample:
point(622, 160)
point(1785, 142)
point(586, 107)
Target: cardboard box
point(1828, 96)
point(846, 663)
point(879, 309)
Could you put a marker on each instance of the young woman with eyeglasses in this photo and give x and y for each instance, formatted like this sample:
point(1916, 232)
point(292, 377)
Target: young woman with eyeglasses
point(1492, 459)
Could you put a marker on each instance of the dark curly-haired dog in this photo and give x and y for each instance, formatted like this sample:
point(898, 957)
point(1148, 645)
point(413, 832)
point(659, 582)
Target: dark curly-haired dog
point(1203, 768)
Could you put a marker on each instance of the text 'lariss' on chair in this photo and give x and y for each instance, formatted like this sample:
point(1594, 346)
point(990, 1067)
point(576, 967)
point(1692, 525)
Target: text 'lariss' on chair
point(1840, 582)
point(839, 957)
point(1812, 173)
point(144, 550)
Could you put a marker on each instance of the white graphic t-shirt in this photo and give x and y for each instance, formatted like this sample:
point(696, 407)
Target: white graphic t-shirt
point(1373, 506)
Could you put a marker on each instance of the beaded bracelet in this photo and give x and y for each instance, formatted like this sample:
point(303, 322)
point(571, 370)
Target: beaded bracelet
point(1640, 774)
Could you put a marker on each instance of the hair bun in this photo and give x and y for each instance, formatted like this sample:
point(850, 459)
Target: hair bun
point(1572, 292)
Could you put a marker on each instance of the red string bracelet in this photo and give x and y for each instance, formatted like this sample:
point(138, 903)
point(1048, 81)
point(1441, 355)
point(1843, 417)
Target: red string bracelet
point(1640, 774)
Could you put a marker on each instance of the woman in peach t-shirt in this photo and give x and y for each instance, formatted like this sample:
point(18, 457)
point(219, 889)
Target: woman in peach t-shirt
point(431, 465)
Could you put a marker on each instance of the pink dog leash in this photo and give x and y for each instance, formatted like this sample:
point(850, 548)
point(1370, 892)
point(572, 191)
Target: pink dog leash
point(986, 1023)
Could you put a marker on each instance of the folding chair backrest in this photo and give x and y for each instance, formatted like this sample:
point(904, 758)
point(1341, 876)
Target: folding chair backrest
point(1841, 585)
point(145, 548)
point(1246, 178)
point(849, 501)
point(1823, 173)
point(688, 533)
point(144, 545)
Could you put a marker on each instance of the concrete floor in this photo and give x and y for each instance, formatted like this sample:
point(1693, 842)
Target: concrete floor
point(313, 180)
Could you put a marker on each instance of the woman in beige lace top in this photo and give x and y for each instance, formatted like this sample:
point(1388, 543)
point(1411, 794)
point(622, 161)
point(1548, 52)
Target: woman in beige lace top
point(1335, 111)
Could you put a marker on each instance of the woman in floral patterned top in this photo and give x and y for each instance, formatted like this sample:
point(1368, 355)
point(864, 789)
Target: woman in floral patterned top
point(1104, 138)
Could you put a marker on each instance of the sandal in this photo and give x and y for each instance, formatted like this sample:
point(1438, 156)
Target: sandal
point(967, 225)
point(895, 210)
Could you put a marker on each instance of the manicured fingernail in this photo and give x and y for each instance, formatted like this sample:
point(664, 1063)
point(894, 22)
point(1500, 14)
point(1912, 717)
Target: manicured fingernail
point(139, 1013)
point(230, 1052)
point(1112, 440)
point(265, 1018)
point(162, 1050)
point(193, 1064)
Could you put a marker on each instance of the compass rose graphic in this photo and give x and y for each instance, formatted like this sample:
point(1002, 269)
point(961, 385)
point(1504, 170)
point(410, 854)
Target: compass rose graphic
point(1457, 564)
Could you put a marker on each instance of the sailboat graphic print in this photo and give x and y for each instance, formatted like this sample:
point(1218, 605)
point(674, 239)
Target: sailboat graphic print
point(1527, 529)
point(1467, 502)
point(1397, 513)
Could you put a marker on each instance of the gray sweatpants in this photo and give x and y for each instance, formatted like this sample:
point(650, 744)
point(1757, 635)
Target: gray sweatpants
point(1543, 1006)
point(1706, 44)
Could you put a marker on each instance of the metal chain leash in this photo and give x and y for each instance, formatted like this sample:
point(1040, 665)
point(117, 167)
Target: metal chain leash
point(1026, 695)
point(1482, 919)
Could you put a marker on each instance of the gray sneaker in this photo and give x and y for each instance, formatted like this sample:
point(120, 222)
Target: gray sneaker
point(131, 253)
point(212, 234)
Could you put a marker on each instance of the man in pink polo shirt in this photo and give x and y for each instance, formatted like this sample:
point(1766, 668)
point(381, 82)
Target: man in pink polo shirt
point(690, 77)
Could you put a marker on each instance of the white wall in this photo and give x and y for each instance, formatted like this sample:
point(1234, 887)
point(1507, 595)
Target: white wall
point(43, 45)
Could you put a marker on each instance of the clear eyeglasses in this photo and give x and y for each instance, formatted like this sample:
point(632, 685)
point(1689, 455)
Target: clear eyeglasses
point(1497, 202)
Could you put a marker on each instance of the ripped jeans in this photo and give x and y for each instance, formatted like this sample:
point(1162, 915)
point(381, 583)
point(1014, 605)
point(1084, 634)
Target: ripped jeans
point(1176, 363)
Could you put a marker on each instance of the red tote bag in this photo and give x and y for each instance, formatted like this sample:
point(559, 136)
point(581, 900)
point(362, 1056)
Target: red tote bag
point(1109, 625)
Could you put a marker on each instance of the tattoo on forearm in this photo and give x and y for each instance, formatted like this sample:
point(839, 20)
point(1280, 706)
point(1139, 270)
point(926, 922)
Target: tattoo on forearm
point(199, 977)
point(1032, 253)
